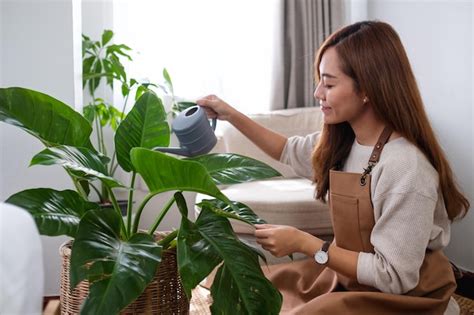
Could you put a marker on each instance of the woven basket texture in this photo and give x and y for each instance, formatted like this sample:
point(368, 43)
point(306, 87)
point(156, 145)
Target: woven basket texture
point(465, 304)
point(164, 295)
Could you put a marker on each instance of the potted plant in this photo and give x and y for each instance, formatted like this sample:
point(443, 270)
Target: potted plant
point(118, 259)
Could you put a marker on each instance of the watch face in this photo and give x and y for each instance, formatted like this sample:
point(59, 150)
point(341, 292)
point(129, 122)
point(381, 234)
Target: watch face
point(321, 257)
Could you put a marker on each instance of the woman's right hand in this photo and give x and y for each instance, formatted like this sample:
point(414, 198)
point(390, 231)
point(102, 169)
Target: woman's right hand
point(216, 108)
point(269, 141)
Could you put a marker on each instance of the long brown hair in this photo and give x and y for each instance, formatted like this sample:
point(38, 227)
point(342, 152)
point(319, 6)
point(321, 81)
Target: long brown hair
point(372, 54)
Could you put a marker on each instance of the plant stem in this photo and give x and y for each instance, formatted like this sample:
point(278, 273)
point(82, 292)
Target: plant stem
point(124, 106)
point(115, 168)
point(96, 191)
point(167, 240)
point(96, 120)
point(117, 208)
point(102, 141)
point(130, 204)
point(111, 170)
point(161, 216)
point(104, 194)
point(78, 186)
point(139, 212)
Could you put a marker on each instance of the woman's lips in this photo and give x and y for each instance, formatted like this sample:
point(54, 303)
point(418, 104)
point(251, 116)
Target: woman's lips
point(325, 109)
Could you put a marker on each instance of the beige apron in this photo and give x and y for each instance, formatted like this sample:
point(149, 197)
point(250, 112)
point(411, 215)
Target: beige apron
point(309, 288)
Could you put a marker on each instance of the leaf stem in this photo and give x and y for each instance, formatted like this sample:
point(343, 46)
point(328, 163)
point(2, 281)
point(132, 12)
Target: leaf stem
point(111, 169)
point(117, 208)
point(78, 186)
point(139, 212)
point(130, 204)
point(96, 120)
point(96, 191)
point(124, 106)
point(168, 238)
point(115, 168)
point(102, 140)
point(163, 212)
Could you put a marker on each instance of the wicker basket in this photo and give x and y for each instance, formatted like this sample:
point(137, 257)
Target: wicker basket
point(164, 295)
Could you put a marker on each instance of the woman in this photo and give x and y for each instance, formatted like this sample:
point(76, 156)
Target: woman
point(391, 190)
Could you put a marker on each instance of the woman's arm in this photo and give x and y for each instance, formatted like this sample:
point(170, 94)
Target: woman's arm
point(282, 240)
point(269, 141)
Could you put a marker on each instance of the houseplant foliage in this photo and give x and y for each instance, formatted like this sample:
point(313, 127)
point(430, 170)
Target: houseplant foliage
point(102, 61)
point(109, 251)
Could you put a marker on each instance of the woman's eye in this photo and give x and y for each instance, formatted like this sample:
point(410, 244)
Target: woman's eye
point(327, 86)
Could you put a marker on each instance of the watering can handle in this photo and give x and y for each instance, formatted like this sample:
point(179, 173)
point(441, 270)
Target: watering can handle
point(214, 123)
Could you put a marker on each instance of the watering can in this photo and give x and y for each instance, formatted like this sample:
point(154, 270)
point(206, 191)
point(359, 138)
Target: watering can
point(194, 133)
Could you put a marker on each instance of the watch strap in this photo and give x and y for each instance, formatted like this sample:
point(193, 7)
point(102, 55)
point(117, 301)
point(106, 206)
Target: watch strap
point(325, 246)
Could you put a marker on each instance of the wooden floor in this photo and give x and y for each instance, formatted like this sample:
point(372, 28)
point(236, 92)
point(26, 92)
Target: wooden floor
point(202, 300)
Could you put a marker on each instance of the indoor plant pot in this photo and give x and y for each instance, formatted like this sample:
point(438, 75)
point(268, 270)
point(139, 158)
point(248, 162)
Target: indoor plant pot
point(117, 259)
point(163, 295)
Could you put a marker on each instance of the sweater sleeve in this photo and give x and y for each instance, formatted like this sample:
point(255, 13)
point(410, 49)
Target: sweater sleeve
point(405, 196)
point(400, 238)
point(297, 154)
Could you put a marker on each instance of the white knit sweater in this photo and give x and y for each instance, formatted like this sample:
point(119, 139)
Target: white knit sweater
point(409, 211)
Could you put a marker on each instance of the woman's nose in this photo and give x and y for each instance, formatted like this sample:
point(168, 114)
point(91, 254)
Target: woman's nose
point(318, 93)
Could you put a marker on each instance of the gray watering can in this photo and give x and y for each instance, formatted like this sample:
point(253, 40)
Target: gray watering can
point(194, 133)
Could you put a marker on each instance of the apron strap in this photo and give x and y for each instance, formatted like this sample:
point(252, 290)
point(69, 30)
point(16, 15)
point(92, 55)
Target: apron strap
point(375, 155)
point(384, 136)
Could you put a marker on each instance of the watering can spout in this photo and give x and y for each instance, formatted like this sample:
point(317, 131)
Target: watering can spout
point(180, 151)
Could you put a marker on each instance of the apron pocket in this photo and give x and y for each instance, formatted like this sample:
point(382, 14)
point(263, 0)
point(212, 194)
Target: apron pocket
point(346, 224)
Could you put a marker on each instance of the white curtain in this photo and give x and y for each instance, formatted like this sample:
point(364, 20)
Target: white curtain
point(223, 47)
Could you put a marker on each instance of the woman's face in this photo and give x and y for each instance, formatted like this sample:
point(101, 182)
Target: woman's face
point(336, 92)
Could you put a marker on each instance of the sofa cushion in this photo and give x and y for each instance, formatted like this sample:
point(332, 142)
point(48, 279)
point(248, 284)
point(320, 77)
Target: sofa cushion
point(280, 201)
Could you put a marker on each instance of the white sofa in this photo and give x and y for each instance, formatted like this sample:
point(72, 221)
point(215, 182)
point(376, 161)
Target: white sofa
point(287, 200)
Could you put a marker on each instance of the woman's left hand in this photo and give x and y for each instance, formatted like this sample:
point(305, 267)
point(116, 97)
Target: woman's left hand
point(280, 240)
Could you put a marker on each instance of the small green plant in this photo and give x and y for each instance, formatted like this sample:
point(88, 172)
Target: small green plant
point(109, 251)
point(103, 60)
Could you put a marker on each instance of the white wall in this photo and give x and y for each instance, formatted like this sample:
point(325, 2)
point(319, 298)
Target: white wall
point(97, 16)
point(438, 36)
point(37, 52)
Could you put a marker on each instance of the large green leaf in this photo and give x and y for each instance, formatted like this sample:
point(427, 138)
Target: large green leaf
point(196, 256)
point(240, 286)
point(162, 172)
point(229, 168)
point(43, 116)
point(95, 69)
point(240, 211)
point(82, 162)
point(86, 64)
point(145, 126)
point(55, 212)
point(118, 271)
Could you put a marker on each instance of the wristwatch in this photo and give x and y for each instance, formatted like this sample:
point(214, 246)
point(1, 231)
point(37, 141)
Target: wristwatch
point(321, 256)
